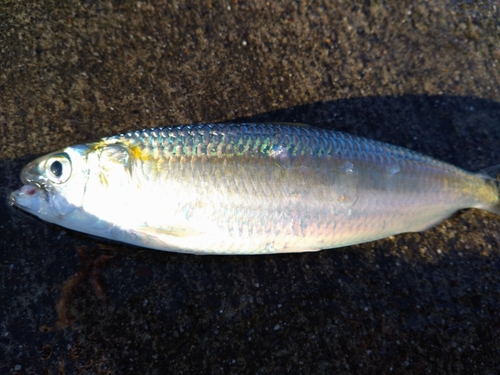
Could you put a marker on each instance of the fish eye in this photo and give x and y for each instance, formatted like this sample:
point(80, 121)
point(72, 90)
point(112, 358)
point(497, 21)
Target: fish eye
point(58, 168)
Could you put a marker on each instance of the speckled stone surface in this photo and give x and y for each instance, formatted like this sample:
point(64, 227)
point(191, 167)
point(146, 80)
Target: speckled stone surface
point(423, 75)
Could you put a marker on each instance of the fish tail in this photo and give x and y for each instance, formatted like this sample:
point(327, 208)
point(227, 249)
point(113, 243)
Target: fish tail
point(492, 175)
point(495, 209)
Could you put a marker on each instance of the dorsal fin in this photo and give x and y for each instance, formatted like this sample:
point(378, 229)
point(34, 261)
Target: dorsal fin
point(298, 124)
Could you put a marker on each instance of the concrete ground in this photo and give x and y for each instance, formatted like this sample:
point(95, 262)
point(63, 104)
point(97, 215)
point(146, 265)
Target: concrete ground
point(420, 74)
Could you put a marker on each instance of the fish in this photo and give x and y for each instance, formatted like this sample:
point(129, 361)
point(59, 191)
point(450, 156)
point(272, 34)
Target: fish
point(248, 188)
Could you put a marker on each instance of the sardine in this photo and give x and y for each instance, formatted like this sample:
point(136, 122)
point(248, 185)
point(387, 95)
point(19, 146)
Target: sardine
point(246, 189)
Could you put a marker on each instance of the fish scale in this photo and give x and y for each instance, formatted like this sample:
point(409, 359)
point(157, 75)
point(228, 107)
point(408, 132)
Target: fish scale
point(246, 189)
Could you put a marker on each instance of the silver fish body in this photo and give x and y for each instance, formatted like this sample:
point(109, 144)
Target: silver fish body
point(246, 189)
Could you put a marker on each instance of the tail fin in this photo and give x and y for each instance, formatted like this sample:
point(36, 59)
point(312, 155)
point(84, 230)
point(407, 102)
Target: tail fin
point(493, 174)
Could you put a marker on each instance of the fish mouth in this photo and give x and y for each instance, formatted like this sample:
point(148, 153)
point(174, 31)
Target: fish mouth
point(26, 197)
point(11, 199)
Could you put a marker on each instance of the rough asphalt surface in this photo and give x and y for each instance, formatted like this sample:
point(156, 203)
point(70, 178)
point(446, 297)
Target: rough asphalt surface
point(423, 75)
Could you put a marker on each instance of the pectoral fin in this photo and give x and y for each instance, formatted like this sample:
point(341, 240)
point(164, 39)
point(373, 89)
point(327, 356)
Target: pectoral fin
point(165, 232)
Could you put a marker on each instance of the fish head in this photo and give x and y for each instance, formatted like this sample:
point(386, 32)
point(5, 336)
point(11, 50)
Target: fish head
point(54, 185)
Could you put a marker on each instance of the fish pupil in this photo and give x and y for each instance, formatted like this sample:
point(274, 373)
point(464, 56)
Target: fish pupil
point(56, 168)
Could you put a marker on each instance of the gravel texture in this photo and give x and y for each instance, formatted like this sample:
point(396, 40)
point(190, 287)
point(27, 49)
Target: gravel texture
point(423, 75)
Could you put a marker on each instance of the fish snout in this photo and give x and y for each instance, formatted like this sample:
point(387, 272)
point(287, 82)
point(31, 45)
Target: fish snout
point(30, 174)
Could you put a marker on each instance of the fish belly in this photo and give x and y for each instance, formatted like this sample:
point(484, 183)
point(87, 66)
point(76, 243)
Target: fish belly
point(258, 205)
